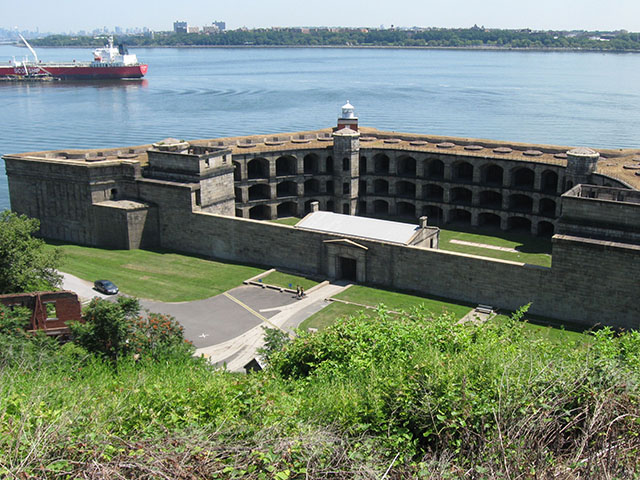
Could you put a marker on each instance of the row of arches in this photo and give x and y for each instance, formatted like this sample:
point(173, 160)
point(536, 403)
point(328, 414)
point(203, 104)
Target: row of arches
point(461, 171)
point(260, 167)
point(490, 174)
point(288, 208)
point(516, 202)
point(464, 196)
point(463, 217)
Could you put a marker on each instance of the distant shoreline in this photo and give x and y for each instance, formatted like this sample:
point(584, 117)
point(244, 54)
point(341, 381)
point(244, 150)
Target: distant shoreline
point(368, 47)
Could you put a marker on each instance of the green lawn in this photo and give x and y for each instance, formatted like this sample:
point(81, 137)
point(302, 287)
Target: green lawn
point(287, 280)
point(328, 315)
point(373, 297)
point(286, 221)
point(534, 250)
point(554, 334)
point(164, 276)
point(400, 301)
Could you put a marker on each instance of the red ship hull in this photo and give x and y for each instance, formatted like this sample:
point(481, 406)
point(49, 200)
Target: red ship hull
point(74, 71)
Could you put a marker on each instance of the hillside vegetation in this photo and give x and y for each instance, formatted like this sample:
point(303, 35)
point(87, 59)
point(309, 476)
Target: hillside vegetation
point(410, 396)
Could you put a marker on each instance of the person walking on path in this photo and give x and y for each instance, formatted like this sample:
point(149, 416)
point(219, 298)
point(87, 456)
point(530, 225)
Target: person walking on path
point(298, 293)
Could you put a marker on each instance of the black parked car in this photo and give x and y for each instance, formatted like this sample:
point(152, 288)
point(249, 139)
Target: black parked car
point(105, 286)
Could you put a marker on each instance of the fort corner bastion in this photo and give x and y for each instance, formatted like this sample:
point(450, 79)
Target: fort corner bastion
point(209, 197)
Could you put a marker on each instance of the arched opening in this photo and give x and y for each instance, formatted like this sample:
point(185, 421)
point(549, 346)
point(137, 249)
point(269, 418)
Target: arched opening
point(260, 191)
point(239, 213)
point(381, 207)
point(463, 172)
point(433, 192)
point(435, 169)
point(520, 224)
point(363, 165)
point(407, 166)
point(346, 164)
point(460, 216)
point(549, 181)
point(381, 187)
point(435, 214)
point(258, 168)
point(307, 205)
point(545, 229)
point(522, 178)
point(492, 175)
point(286, 166)
point(260, 212)
point(347, 269)
point(381, 164)
point(311, 163)
point(490, 199)
point(547, 207)
point(287, 209)
point(329, 164)
point(237, 193)
point(405, 189)
point(489, 220)
point(461, 196)
point(311, 186)
point(330, 187)
point(330, 206)
point(286, 189)
point(362, 187)
point(405, 209)
point(237, 172)
point(520, 203)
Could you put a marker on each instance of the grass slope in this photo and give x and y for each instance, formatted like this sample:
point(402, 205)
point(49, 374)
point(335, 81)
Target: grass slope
point(533, 250)
point(374, 297)
point(157, 275)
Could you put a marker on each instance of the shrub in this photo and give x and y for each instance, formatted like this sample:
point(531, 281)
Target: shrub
point(116, 330)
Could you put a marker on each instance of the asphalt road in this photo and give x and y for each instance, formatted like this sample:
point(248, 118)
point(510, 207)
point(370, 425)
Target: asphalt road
point(210, 321)
point(218, 319)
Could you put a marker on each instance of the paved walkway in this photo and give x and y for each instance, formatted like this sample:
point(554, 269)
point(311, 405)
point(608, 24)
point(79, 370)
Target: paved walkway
point(484, 245)
point(238, 351)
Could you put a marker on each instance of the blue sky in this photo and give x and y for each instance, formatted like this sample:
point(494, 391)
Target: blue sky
point(66, 15)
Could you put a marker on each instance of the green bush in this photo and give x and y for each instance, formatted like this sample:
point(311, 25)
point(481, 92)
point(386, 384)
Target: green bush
point(117, 330)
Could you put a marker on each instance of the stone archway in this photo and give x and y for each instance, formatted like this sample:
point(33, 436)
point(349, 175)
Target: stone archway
point(346, 260)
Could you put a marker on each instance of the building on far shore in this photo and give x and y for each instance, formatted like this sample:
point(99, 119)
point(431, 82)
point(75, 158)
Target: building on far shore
point(210, 197)
point(180, 27)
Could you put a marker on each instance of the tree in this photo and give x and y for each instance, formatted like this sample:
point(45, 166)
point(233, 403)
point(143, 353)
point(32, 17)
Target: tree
point(275, 340)
point(25, 264)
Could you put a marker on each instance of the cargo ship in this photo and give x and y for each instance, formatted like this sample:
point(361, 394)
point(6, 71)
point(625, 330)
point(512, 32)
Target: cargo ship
point(109, 62)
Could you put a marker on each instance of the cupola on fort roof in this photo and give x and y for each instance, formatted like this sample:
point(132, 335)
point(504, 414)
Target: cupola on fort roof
point(348, 110)
point(348, 118)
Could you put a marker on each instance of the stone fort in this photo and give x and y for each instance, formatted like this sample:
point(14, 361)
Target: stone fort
point(210, 197)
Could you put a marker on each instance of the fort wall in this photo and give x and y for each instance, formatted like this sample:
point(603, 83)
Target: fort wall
point(566, 292)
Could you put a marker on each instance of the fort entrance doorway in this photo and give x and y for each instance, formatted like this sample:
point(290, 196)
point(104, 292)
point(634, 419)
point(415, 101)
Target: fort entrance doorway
point(347, 269)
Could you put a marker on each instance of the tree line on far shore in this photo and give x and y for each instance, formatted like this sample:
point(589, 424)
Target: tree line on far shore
point(436, 38)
